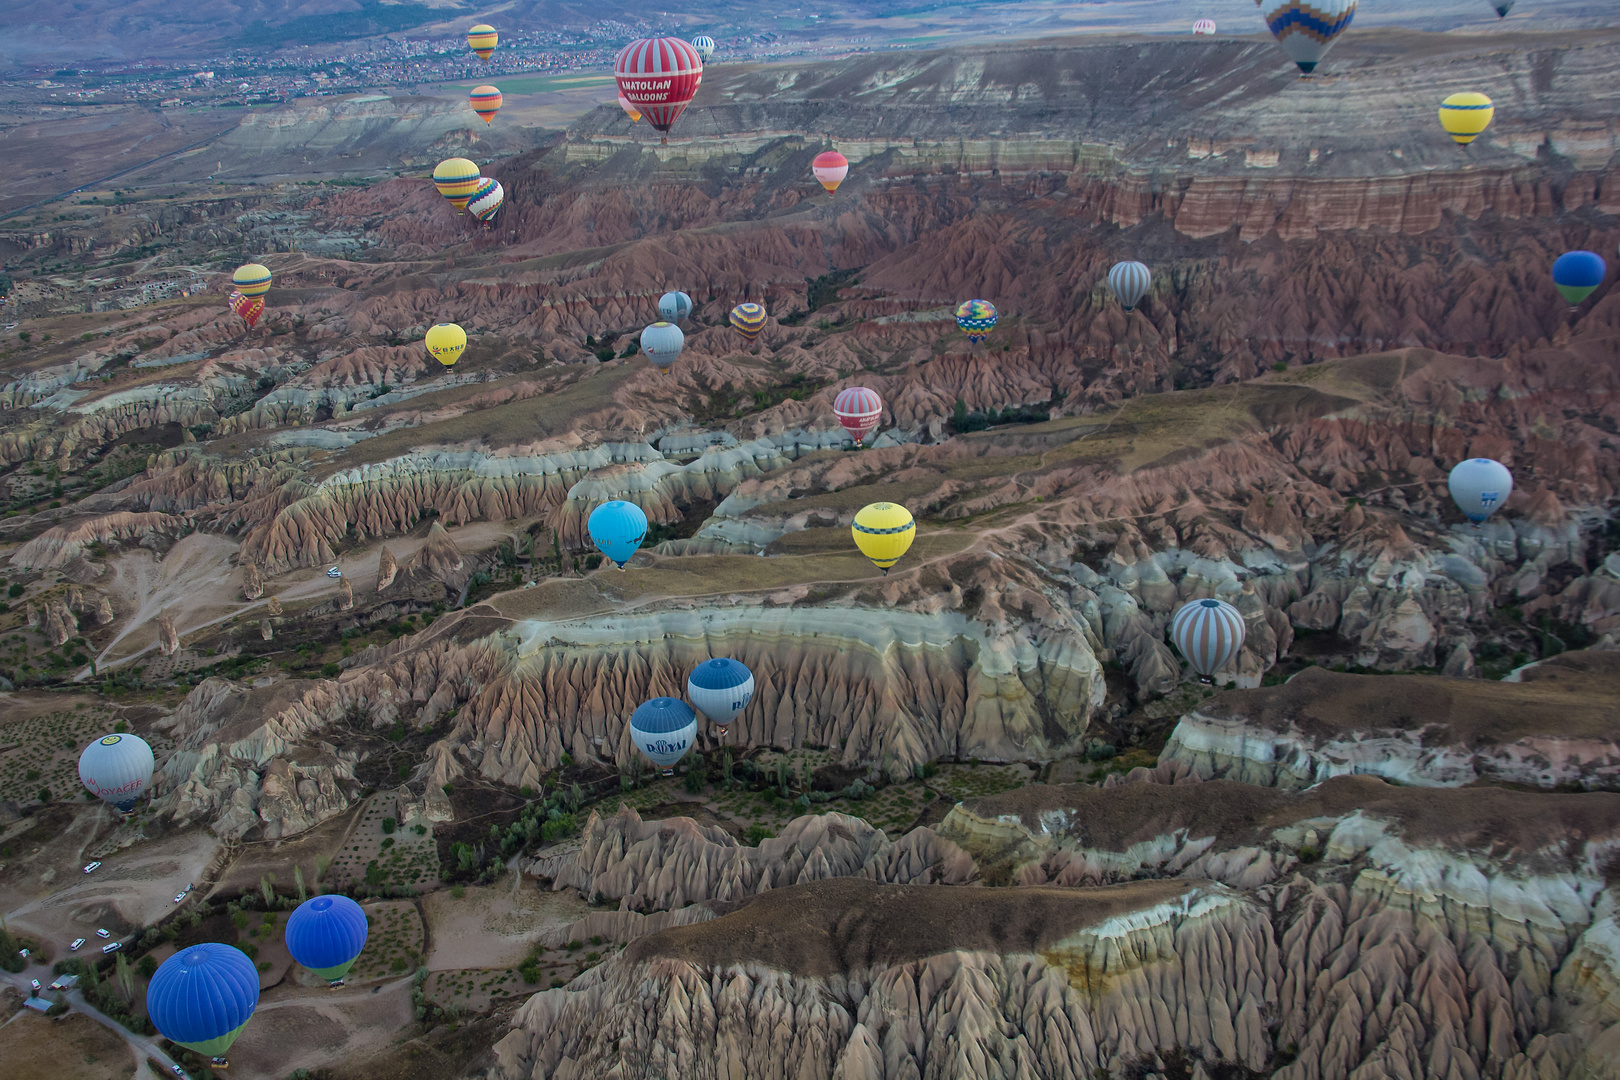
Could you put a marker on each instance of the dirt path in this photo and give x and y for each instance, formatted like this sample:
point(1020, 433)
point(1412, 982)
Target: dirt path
point(139, 1045)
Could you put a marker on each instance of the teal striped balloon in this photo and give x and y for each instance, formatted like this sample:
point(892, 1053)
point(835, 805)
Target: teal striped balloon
point(1129, 281)
point(1209, 634)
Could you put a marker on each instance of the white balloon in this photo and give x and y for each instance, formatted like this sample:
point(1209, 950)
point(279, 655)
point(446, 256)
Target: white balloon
point(117, 769)
point(1479, 486)
point(663, 729)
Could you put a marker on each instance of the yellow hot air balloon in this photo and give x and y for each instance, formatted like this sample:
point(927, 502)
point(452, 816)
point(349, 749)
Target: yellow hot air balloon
point(251, 279)
point(1465, 115)
point(457, 179)
point(482, 40)
point(445, 342)
point(486, 102)
point(884, 532)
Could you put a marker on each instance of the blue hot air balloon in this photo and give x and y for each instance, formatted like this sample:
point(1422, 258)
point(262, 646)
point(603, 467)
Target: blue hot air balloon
point(202, 998)
point(663, 342)
point(663, 729)
point(1208, 633)
point(1479, 486)
point(1129, 281)
point(720, 689)
point(326, 934)
point(1576, 274)
point(117, 768)
point(1307, 29)
point(617, 529)
point(674, 307)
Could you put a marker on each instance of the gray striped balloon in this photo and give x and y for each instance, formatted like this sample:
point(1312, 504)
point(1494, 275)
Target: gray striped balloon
point(1209, 634)
point(1129, 281)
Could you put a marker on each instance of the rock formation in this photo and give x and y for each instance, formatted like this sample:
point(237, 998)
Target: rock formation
point(61, 545)
point(345, 595)
point(59, 623)
point(274, 605)
point(387, 568)
point(252, 581)
point(104, 610)
point(168, 642)
point(439, 559)
point(32, 615)
point(266, 631)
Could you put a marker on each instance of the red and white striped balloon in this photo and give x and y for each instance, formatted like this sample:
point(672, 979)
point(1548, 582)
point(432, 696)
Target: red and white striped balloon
point(860, 411)
point(659, 76)
point(1209, 634)
point(1204, 26)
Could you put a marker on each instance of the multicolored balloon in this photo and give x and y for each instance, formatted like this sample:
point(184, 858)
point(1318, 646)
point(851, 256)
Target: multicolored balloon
point(445, 343)
point(884, 532)
point(117, 768)
point(249, 307)
point(1479, 487)
point(456, 178)
point(202, 997)
point(704, 44)
point(486, 102)
point(617, 529)
point(1129, 281)
point(629, 110)
point(976, 318)
point(1307, 29)
point(720, 689)
point(1204, 26)
point(859, 410)
point(326, 934)
point(487, 199)
point(251, 279)
point(830, 168)
point(659, 76)
point(482, 40)
point(1209, 634)
point(1577, 274)
point(674, 306)
point(1465, 116)
point(663, 729)
point(663, 342)
point(748, 320)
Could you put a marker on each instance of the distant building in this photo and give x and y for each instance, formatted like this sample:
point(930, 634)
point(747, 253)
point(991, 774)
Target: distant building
point(169, 103)
point(64, 982)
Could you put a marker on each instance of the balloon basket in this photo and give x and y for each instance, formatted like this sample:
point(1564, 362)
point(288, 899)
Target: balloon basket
point(335, 985)
point(219, 1063)
point(667, 772)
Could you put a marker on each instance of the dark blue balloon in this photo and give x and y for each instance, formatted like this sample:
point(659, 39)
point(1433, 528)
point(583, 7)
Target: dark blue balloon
point(617, 528)
point(1579, 269)
point(203, 995)
point(326, 932)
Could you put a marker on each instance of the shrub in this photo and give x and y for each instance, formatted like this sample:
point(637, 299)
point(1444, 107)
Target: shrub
point(758, 832)
point(1102, 752)
point(559, 827)
point(388, 824)
point(331, 671)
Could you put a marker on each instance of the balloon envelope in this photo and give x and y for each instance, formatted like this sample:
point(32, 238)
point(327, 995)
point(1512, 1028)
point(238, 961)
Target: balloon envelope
point(487, 199)
point(446, 342)
point(1465, 115)
point(456, 178)
point(326, 934)
point(1578, 273)
point(486, 102)
point(249, 307)
point(251, 279)
point(674, 306)
point(663, 729)
point(1306, 29)
point(1129, 281)
point(830, 168)
point(1479, 486)
point(116, 769)
point(617, 529)
point(629, 109)
point(976, 318)
point(859, 410)
point(659, 76)
point(1502, 7)
point(1204, 26)
point(482, 40)
point(704, 46)
point(748, 320)
point(884, 532)
point(1208, 633)
point(720, 688)
point(663, 342)
point(203, 996)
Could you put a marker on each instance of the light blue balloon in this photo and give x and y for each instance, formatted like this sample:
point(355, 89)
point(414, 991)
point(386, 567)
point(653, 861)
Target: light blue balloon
point(663, 729)
point(1479, 486)
point(674, 306)
point(720, 689)
point(617, 529)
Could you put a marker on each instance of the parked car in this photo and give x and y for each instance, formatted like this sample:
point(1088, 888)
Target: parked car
point(113, 947)
point(334, 573)
point(177, 1070)
point(102, 934)
point(92, 866)
point(35, 984)
point(76, 943)
point(179, 896)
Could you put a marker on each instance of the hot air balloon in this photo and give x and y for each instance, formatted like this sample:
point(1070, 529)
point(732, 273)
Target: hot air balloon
point(116, 769)
point(1502, 7)
point(659, 76)
point(482, 40)
point(1479, 486)
point(674, 306)
point(445, 343)
point(976, 318)
point(617, 529)
point(1306, 29)
point(487, 199)
point(884, 531)
point(202, 998)
point(1465, 115)
point(1578, 273)
point(748, 320)
point(629, 110)
point(859, 410)
point(456, 178)
point(325, 934)
point(1129, 281)
point(486, 102)
point(1204, 26)
point(704, 46)
point(1208, 633)
point(663, 342)
point(720, 689)
point(249, 307)
point(830, 168)
point(251, 279)
point(663, 729)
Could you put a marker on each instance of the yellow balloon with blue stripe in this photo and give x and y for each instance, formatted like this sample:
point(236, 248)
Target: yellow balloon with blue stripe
point(251, 279)
point(482, 40)
point(884, 532)
point(1466, 115)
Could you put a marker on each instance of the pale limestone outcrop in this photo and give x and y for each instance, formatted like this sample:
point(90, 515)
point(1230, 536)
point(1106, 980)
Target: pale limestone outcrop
point(387, 568)
point(64, 543)
point(252, 581)
point(168, 637)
